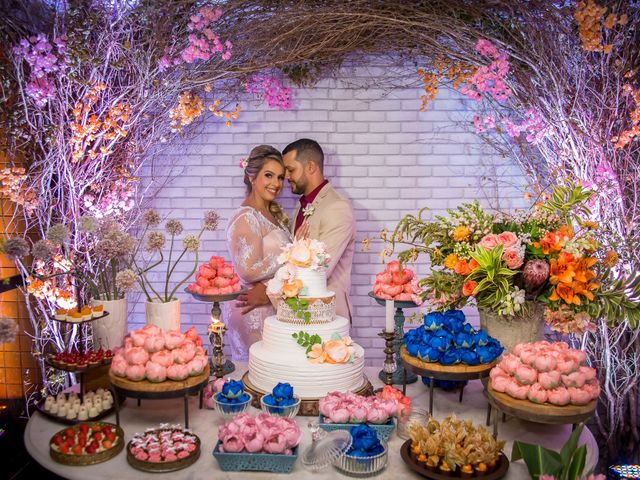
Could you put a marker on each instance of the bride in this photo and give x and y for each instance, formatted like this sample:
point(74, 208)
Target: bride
point(255, 234)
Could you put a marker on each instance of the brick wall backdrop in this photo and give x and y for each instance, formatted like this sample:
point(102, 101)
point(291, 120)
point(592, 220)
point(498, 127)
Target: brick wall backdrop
point(381, 152)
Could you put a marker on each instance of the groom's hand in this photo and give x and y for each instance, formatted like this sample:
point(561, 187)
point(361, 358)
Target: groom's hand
point(255, 297)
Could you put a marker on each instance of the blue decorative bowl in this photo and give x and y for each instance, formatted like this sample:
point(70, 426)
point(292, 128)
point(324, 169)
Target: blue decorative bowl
point(257, 462)
point(230, 409)
point(383, 430)
point(363, 466)
point(289, 411)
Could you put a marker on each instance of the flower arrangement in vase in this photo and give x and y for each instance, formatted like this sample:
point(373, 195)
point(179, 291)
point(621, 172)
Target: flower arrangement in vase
point(161, 307)
point(547, 256)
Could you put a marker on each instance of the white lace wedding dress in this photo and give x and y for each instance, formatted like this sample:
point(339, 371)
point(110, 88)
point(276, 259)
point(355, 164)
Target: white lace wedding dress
point(254, 244)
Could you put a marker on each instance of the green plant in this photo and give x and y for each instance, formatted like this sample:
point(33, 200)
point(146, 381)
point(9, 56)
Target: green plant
point(568, 464)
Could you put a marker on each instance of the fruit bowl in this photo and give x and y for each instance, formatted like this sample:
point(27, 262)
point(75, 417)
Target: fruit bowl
point(86, 443)
point(288, 411)
point(231, 409)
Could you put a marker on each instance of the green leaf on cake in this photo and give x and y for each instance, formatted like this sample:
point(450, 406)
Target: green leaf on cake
point(305, 340)
point(307, 317)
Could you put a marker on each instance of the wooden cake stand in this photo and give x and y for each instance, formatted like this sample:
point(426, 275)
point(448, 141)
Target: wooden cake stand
point(437, 371)
point(537, 412)
point(161, 390)
point(308, 406)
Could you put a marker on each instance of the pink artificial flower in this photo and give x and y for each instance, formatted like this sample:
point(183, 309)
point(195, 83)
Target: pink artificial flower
point(513, 258)
point(275, 443)
point(253, 440)
point(377, 415)
point(508, 239)
point(232, 443)
point(340, 415)
point(489, 241)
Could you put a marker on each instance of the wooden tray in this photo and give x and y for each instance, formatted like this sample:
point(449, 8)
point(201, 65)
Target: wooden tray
point(446, 372)
point(168, 386)
point(83, 460)
point(164, 467)
point(540, 412)
point(421, 469)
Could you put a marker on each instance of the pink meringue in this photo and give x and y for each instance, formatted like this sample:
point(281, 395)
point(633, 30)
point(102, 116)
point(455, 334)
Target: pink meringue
point(566, 365)
point(510, 363)
point(559, 396)
point(155, 372)
point(119, 366)
point(173, 339)
point(135, 372)
point(517, 391)
point(154, 343)
point(136, 356)
point(499, 383)
point(579, 396)
point(138, 337)
point(549, 380)
point(177, 372)
point(163, 357)
point(537, 393)
point(575, 379)
point(589, 373)
point(526, 375)
point(545, 363)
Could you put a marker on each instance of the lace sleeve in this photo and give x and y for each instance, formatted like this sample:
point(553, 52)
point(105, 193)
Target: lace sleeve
point(244, 241)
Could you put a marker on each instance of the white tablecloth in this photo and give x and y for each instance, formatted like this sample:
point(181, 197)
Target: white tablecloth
point(204, 423)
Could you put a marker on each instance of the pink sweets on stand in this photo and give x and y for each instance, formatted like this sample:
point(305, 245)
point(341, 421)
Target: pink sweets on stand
point(215, 282)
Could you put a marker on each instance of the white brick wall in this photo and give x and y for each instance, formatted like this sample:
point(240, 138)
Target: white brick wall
point(381, 152)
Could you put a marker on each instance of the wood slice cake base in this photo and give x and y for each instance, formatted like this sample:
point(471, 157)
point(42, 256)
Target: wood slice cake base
point(308, 406)
point(540, 412)
point(446, 372)
point(167, 387)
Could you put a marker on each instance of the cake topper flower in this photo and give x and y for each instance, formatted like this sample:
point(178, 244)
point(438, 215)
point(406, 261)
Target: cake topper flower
point(243, 163)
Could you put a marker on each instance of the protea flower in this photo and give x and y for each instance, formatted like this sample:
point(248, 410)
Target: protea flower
point(535, 273)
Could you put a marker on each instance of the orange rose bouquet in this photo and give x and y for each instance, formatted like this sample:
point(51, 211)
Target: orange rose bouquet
point(548, 254)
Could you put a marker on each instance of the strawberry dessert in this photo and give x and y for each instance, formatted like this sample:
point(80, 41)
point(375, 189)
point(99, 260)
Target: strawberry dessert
point(397, 283)
point(163, 445)
point(215, 278)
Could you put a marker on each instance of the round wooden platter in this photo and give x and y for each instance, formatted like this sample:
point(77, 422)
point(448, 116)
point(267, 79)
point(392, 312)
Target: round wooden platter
point(446, 372)
point(308, 406)
point(164, 467)
point(405, 452)
point(540, 412)
point(168, 386)
point(89, 459)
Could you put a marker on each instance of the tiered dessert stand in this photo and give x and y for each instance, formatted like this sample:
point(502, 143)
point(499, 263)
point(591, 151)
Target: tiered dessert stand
point(536, 412)
point(401, 375)
point(123, 387)
point(437, 371)
point(74, 369)
point(214, 338)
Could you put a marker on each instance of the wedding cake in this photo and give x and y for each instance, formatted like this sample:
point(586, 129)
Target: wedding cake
point(305, 344)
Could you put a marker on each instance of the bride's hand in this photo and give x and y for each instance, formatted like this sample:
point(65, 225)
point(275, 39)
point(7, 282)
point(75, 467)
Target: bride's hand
point(303, 231)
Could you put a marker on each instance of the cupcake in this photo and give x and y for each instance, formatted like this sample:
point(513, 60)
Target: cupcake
point(97, 311)
point(61, 314)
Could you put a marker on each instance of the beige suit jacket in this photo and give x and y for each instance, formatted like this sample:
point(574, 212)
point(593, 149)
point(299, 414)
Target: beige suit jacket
point(333, 223)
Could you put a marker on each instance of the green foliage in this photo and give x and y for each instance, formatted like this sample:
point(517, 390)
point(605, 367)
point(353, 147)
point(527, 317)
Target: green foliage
point(300, 308)
point(568, 464)
point(493, 277)
point(305, 340)
point(568, 201)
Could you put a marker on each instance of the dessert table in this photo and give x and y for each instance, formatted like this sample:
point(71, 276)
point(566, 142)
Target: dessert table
point(204, 423)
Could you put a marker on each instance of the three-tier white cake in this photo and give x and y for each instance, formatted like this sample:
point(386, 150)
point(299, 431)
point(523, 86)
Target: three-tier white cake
point(307, 309)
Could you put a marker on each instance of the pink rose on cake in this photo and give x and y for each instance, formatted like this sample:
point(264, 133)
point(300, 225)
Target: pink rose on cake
point(306, 253)
point(335, 350)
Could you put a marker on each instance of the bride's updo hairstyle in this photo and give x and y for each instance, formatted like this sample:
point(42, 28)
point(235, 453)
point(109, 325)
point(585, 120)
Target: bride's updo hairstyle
point(254, 164)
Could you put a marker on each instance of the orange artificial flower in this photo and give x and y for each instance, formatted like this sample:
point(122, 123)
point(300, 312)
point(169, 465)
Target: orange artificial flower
point(584, 289)
point(291, 289)
point(451, 260)
point(336, 351)
point(562, 269)
point(468, 288)
point(461, 233)
point(611, 258)
point(473, 264)
point(462, 268)
point(566, 293)
point(583, 272)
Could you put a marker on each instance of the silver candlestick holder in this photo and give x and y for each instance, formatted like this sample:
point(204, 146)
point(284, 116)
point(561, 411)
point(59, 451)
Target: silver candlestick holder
point(389, 366)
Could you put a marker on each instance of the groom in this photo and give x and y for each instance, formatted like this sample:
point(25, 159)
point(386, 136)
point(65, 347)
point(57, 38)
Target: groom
point(324, 214)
